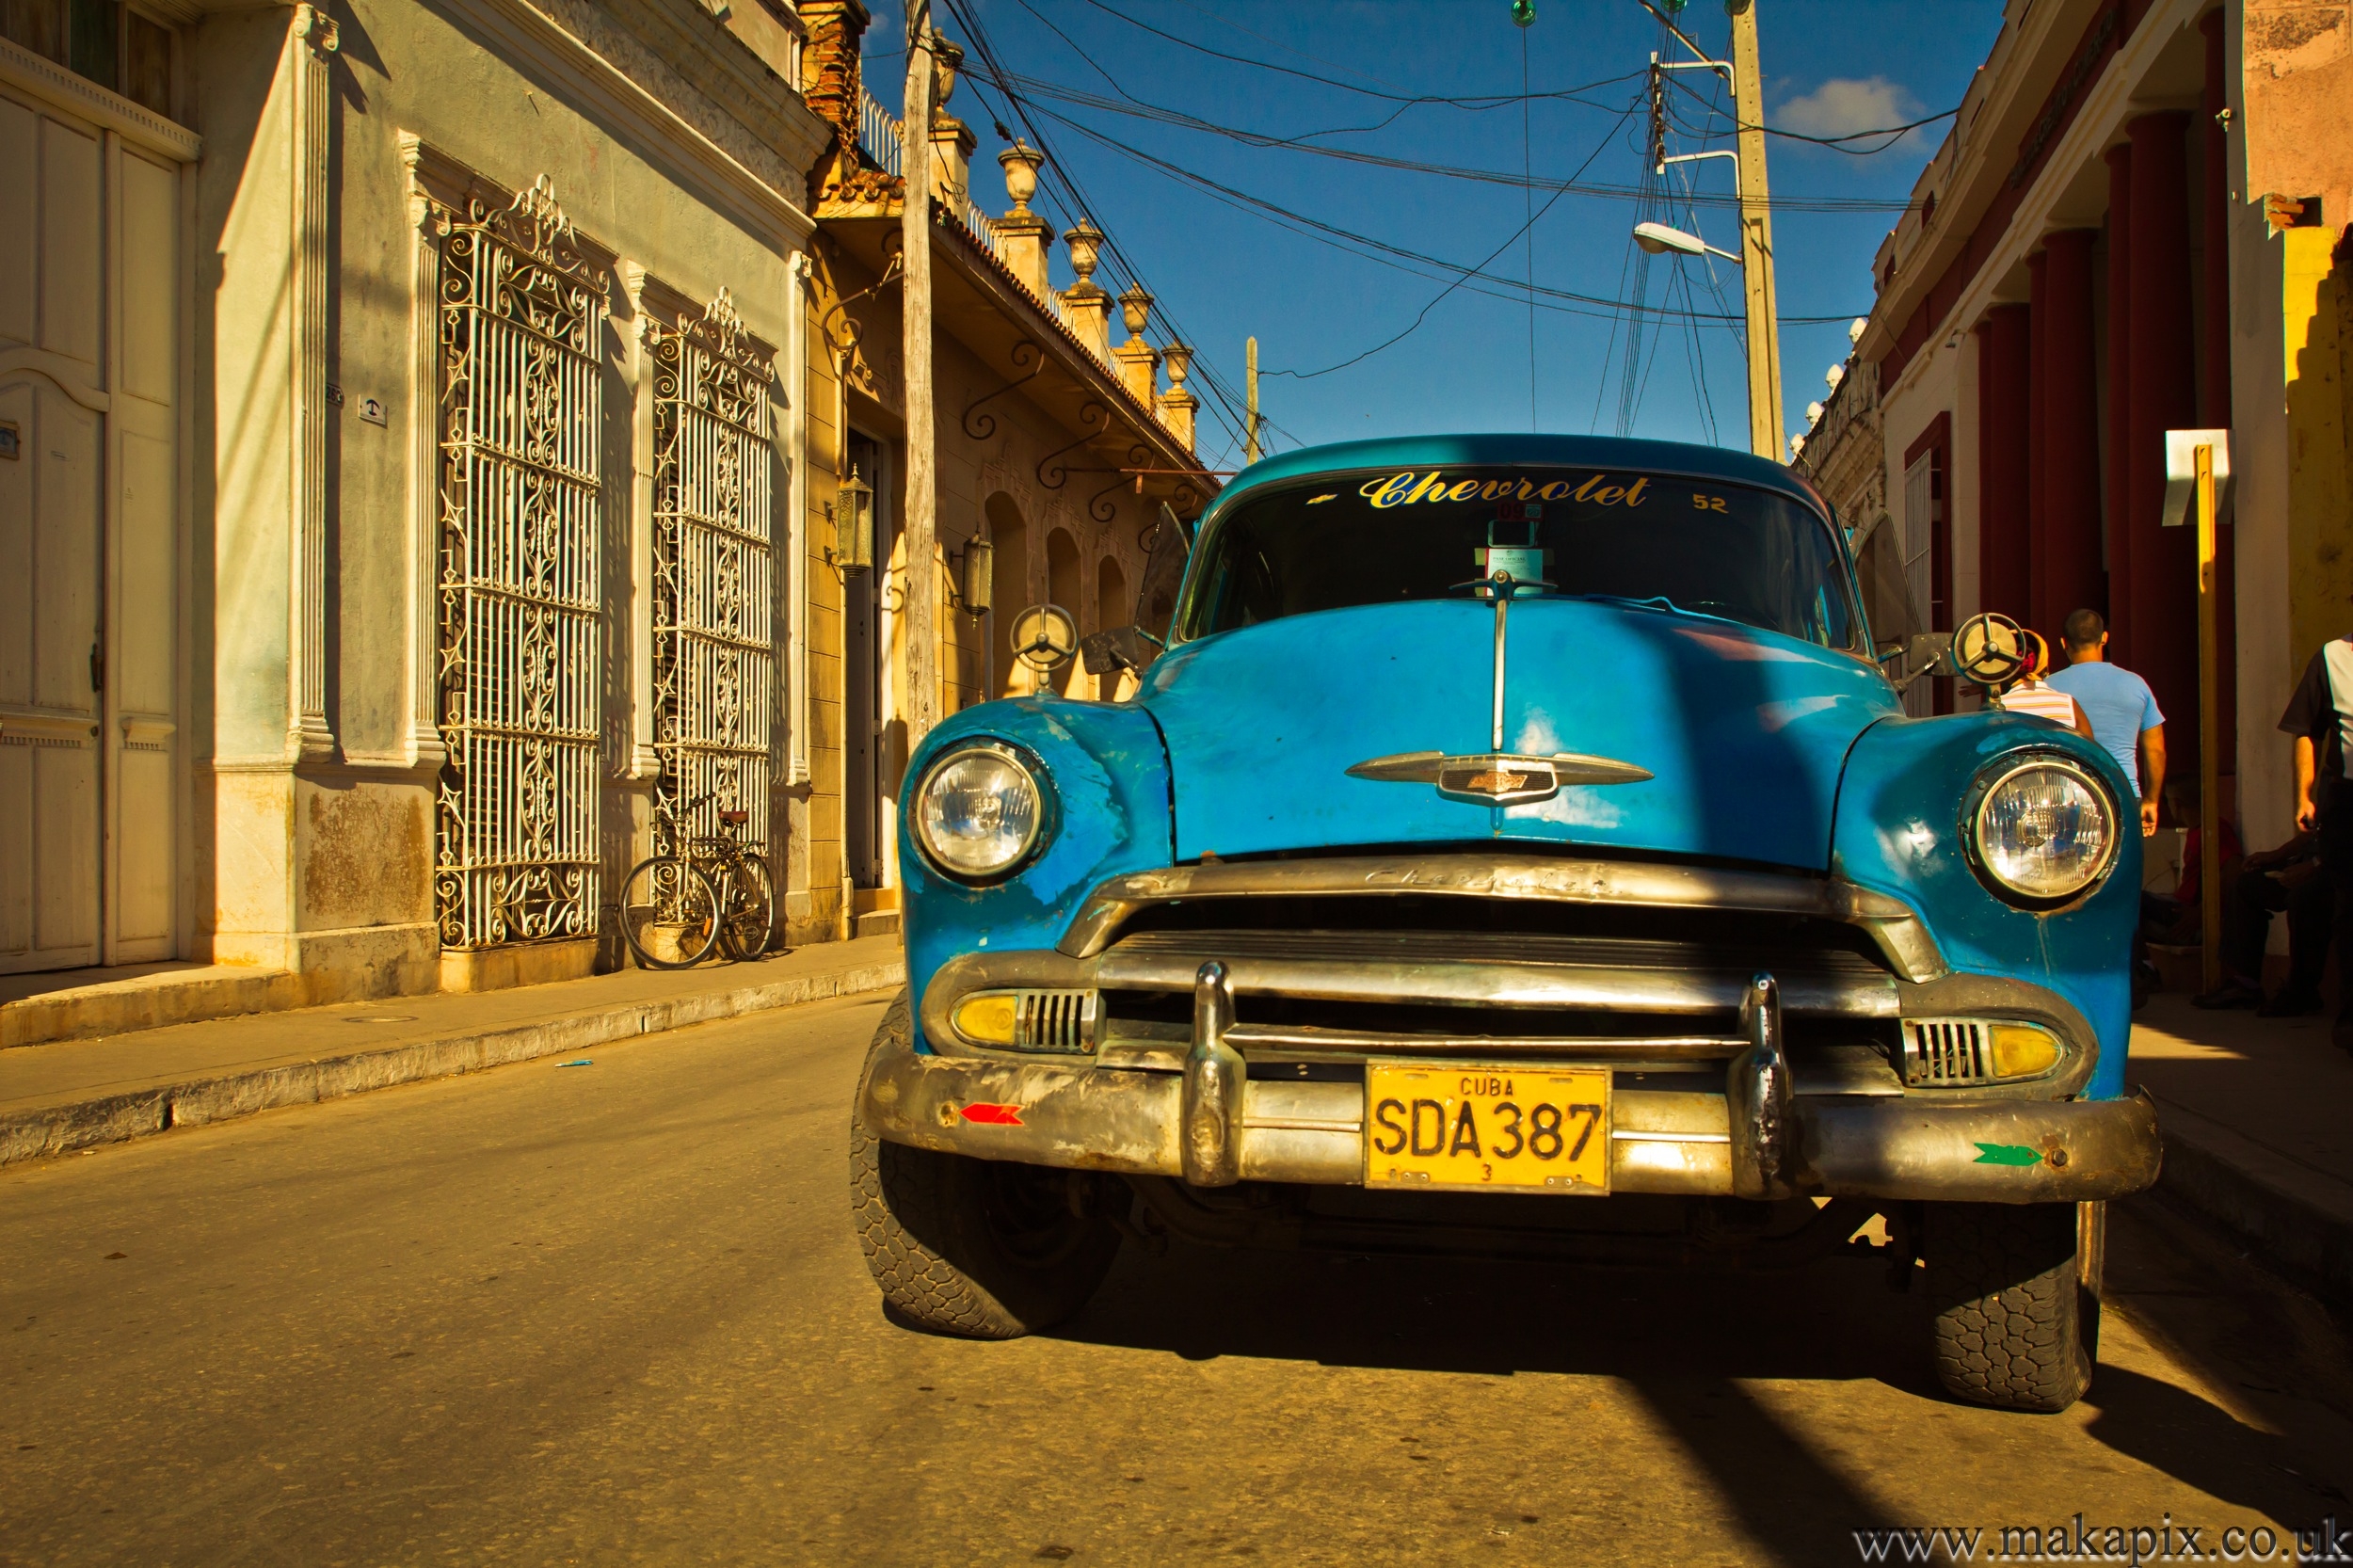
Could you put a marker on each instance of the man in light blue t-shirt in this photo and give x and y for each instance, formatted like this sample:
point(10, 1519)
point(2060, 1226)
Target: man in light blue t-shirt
point(2122, 710)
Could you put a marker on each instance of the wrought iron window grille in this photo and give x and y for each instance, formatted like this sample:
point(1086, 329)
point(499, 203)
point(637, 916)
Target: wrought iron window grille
point(521, 320)
point(714, 647)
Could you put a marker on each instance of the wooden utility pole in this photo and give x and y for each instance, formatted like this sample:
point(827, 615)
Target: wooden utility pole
point(920, 508)
point(1756, 239)
point(2209, 735)
point(1250, 380)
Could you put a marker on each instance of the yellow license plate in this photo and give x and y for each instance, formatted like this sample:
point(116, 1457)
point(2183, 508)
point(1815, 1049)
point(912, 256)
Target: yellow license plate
point(1473, 1126)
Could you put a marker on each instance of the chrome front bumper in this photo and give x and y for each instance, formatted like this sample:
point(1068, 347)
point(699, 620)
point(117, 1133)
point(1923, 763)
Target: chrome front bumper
point(1212, 1124)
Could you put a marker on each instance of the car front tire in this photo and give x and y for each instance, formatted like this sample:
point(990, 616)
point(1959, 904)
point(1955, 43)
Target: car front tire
point(980, 1249)
point(2015, 1290)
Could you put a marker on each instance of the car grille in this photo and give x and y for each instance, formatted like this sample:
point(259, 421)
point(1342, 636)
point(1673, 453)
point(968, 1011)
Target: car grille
point(1058, 1020)
point(1331, 977)
point(1944, 1052)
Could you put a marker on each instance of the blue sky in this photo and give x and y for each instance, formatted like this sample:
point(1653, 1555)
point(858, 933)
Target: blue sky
point(1223, 267)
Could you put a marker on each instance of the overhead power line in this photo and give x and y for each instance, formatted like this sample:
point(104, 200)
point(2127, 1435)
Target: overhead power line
point(1469, 101)
point(1136, 108)
point(1435, 299)
point(1285, 48)
point(1225, 403)
point(1025, 98)
point(1317, 228)
point(1836, 144)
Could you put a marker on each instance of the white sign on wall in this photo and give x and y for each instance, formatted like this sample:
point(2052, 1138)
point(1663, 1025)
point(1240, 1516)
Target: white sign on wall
point(2181, 474)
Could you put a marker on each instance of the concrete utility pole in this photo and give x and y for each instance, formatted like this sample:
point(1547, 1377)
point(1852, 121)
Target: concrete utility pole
point(1250, 378)
point(1756, 239)
point(919, 520)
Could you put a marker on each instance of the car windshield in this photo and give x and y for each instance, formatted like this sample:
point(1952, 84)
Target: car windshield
point(1676, 545)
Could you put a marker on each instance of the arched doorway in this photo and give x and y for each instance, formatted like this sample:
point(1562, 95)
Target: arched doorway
point(1064, 586)
point(1008, 593)
point(1111, 609)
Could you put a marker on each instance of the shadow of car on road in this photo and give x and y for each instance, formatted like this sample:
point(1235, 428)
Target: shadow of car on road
point(1703, 1351)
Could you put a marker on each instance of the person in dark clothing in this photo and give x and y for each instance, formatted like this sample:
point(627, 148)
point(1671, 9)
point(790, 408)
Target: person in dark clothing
point(2318, 714)
point(2287, 878)
point(2177, 918)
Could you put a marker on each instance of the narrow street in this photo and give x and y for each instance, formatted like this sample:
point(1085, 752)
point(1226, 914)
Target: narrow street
point(615, 1313)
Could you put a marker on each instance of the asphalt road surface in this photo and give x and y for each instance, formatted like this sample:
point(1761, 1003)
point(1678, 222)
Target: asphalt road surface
point(615, 1313)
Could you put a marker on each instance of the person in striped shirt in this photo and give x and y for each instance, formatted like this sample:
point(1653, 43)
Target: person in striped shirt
point(2031, 694)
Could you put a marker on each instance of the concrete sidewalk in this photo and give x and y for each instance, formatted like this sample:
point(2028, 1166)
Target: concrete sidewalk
point(2256, 1115)
point(72, 1094)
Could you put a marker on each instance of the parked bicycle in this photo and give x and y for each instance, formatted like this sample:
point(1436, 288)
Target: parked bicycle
point(714, 893)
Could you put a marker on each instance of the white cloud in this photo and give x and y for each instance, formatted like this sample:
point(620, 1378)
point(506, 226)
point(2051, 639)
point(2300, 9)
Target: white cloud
point(1844, 105)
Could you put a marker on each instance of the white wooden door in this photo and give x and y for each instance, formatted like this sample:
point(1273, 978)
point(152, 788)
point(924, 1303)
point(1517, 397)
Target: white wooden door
point(49, 648)
point(89, 542)
point(142, 861)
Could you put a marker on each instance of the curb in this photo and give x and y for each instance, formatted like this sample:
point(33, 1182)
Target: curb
point(2266, 1200)
point(116, 1118)
point(150, 1002)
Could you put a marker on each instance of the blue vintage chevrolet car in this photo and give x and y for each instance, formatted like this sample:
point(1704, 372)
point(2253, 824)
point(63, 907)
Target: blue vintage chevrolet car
point(1501, 824)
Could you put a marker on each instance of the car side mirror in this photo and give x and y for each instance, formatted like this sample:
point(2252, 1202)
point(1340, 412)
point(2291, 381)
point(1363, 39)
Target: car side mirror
point(1120, 649)
point(1922, 653)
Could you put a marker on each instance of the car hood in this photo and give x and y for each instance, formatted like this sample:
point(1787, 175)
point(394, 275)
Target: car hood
point(1742, 731)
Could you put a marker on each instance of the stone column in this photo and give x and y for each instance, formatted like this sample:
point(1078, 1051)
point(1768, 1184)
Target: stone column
point(2029, 607)
point(312, 42)
point(2067, 551)
point(1177, 406)
point(952, 162)
point(428, 224)
point(1027, 239)
point(2117, 602)
point(1139, 366)
point(2003, 438)
point(1086, 305)
point(1027, 242)
point(2165, 397)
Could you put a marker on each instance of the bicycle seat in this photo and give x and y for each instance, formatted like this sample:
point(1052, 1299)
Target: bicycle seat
point(738, 818)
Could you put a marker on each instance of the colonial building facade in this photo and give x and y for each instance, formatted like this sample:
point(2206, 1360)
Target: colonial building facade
point(422, 429)
point(2137, 224)
point(1057, 447)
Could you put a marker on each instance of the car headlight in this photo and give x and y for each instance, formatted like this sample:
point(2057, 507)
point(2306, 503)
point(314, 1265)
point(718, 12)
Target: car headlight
point(981, 812)
point(2043, 831)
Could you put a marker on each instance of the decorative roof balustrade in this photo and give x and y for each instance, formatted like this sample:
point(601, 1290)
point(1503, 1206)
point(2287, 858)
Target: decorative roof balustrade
point(879, 134)
point(883, 138)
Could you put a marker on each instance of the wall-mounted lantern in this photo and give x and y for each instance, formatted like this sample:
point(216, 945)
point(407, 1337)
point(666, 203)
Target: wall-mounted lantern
point(854, 521)
point(974, 572)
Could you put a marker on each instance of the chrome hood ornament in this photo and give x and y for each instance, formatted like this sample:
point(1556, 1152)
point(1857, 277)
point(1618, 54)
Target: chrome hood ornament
point(1498, 778)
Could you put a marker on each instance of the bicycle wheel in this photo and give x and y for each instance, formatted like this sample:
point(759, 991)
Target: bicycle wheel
point(670, 914)
point(750, 924)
